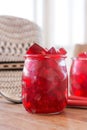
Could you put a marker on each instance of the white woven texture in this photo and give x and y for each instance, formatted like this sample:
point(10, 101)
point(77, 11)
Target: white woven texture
point(16, 35)
point(10, 83)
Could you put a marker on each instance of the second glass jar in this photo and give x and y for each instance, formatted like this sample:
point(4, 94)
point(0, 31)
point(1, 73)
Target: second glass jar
point(78, 77)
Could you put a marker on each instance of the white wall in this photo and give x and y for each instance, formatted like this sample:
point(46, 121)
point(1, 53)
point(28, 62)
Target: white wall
point(20, 8)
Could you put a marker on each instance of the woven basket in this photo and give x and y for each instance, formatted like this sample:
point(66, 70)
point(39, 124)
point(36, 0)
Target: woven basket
point(16, 35)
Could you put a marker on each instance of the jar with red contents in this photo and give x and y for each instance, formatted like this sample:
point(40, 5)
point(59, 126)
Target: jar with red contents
point(44, 83)
point(78, 76)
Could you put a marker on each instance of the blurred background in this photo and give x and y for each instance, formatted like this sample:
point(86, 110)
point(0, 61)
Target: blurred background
point(63, 22)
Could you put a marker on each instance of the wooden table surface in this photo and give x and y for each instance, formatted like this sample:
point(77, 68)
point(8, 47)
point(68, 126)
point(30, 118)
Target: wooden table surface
point(15, 117)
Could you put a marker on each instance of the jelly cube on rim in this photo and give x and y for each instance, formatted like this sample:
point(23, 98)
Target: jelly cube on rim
point(62, 51)
point(83, 55)
point(36, 49)
point(52, 50)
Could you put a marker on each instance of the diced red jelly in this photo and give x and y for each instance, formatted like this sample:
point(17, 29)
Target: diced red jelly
point(36, 49)
point(44, 90)
point(78, 76)
point(79, 86)
point(52, 50)
point(62, 51)
point(83, 55)
point(44, 84)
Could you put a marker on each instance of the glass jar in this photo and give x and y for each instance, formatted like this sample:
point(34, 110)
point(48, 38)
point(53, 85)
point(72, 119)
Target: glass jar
point(44, 84)
point(78, 77)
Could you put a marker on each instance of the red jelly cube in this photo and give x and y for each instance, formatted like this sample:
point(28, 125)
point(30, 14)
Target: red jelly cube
point(83, 55)
point(36, 49)
point(62, 51)
point(52, 50)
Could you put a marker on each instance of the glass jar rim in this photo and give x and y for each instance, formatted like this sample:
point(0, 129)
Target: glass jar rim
point(79, 58)
point(45, 56)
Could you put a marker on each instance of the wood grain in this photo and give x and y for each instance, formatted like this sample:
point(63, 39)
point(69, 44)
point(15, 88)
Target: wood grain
point(15, 117)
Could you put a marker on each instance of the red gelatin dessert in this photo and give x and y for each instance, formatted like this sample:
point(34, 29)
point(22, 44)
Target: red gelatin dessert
point(36, 49)
point(78, 75)
point(52, 51)
point(44, 81)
